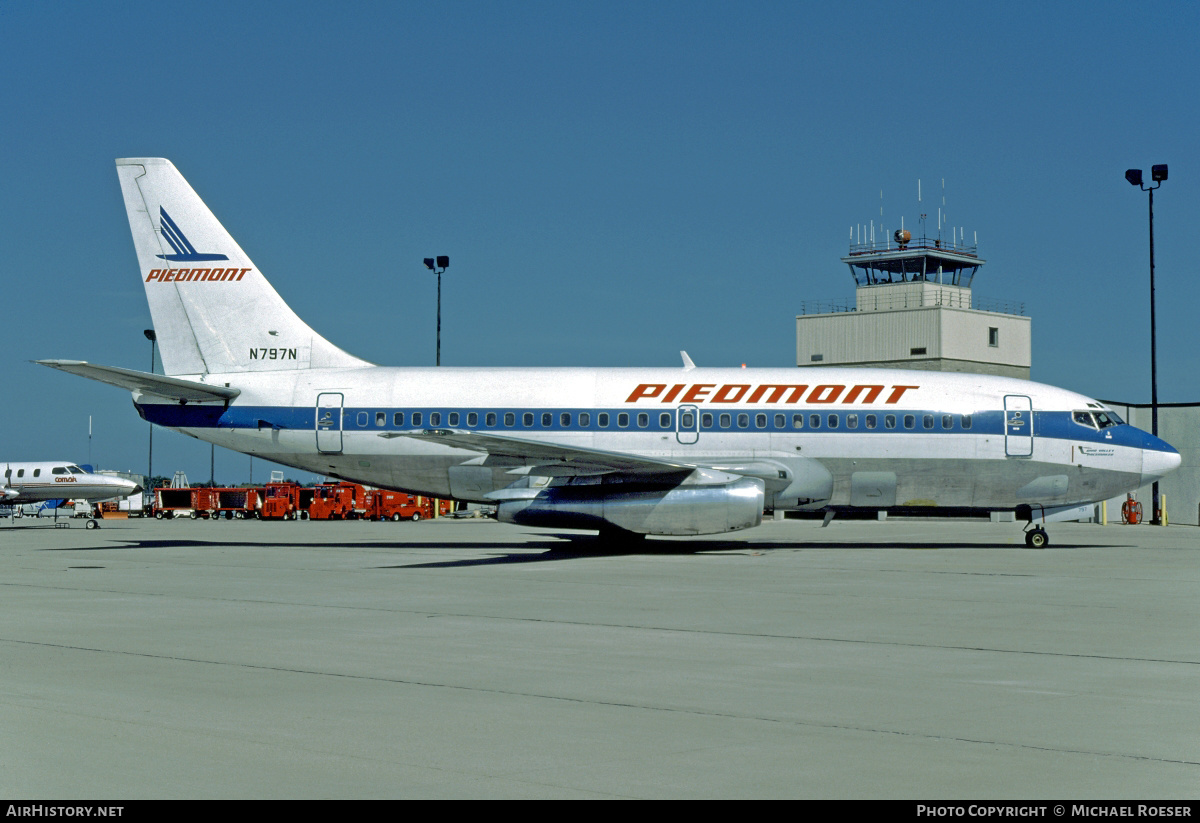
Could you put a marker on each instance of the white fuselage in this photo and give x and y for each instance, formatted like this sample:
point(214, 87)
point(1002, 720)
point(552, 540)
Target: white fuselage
point(885, 438)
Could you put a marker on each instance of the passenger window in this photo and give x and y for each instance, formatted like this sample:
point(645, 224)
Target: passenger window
point(37, 472)
point(416, 418)
point(527, 419)
point(726, 420)
point(361, 419)
point(585, 420)
point(472, 420)
point(966, 421)
point(547, 420)
point(797, 421)
point(453, 418)
point(398, 419)
point(664, 420)
point(947, 421)
point(623, 420)
point(20, 472)
point(643, 420)
point(833, 421)
point(780, 421)
point(927, 421)
point(852, 421)
point(910, 421)
point(489, 419)
point(564, 419)
point(602, 420)
point(706, 420)
point(743, 420)
point(814, 421)
point(380, 419)
point(687, 420)
point(871, 421)
point(435, 418)
point(889, 421)
point(760, 421)
point(510, 419)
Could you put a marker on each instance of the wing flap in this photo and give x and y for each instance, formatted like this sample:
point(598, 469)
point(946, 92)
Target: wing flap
point(551, 459)
point(172, 388)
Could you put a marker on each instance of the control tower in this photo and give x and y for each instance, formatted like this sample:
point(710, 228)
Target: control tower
point(913, 309)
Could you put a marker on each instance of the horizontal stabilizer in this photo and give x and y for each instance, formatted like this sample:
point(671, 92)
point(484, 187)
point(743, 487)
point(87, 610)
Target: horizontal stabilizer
point(172, 388)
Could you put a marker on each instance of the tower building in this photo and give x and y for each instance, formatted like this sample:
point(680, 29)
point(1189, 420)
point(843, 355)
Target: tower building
point(913, 309)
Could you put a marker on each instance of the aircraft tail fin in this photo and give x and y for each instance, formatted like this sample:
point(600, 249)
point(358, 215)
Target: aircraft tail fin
point(213, 311)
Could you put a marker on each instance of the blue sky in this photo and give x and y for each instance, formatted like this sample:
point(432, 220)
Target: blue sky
point(613, 181)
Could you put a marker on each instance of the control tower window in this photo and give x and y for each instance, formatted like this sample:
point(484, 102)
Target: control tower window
point(993, 336)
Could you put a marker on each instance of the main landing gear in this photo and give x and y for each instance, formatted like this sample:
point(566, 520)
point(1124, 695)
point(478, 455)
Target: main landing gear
point(1036, 538)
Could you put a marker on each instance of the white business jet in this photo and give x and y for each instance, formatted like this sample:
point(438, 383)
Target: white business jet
point(627, 451)
point(51, 481)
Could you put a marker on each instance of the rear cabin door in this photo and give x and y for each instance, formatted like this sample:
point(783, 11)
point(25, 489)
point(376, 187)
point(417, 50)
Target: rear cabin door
point(1018, 426)
point(329, 422)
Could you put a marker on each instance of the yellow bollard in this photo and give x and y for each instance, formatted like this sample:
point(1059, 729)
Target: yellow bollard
point(1162, 502)
point(1103, 512)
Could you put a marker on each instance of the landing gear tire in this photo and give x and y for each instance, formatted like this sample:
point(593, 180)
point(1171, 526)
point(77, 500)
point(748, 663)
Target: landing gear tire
point(1037, 539)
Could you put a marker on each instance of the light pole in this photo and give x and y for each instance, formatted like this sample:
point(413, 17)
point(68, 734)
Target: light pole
point(1158, 174)
point(438, 264)
point(153, 338)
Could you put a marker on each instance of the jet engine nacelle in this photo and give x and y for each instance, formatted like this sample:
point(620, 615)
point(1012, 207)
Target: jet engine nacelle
point(681, 510)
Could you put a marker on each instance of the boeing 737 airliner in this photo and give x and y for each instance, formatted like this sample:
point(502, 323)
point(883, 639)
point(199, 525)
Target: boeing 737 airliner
point(628, 451)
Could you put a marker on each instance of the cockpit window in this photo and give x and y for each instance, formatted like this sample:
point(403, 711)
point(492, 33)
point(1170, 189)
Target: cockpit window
point(1106, 419)
point(58, 470)
point(75, 470)
point(1084, 419)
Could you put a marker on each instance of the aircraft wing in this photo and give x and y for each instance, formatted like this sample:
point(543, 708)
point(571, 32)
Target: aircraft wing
point(173, 388)
point(549, 459)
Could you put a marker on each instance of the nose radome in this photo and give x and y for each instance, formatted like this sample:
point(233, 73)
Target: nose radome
point(1156, 464)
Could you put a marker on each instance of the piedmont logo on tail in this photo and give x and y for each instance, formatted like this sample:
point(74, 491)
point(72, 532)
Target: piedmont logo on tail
point(626, 451)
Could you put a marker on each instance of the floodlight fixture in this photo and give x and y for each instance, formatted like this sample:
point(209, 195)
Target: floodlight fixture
point(429, 260)
point(1158, 174)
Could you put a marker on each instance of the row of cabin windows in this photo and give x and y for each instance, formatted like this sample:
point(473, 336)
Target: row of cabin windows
point(666, 420)
point(38, 472)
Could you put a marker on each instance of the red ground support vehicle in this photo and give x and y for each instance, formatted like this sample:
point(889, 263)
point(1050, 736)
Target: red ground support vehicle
point(382, 504)
point(235, 503)
point(183, 502)
point(285, 501)
point(338, 501)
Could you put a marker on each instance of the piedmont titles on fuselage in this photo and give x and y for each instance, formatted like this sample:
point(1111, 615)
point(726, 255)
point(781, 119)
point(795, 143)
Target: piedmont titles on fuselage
point(765, 393)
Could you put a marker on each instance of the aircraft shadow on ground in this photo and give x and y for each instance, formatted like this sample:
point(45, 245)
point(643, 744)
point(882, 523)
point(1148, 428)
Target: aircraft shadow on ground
point(564, 547)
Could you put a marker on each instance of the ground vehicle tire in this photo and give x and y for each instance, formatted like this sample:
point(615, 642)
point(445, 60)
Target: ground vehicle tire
point(158, 515)
point(416, 516)
point(91, 524)
point(395, 517)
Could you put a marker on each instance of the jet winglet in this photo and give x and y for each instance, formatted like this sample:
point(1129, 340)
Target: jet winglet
point(172, 388)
